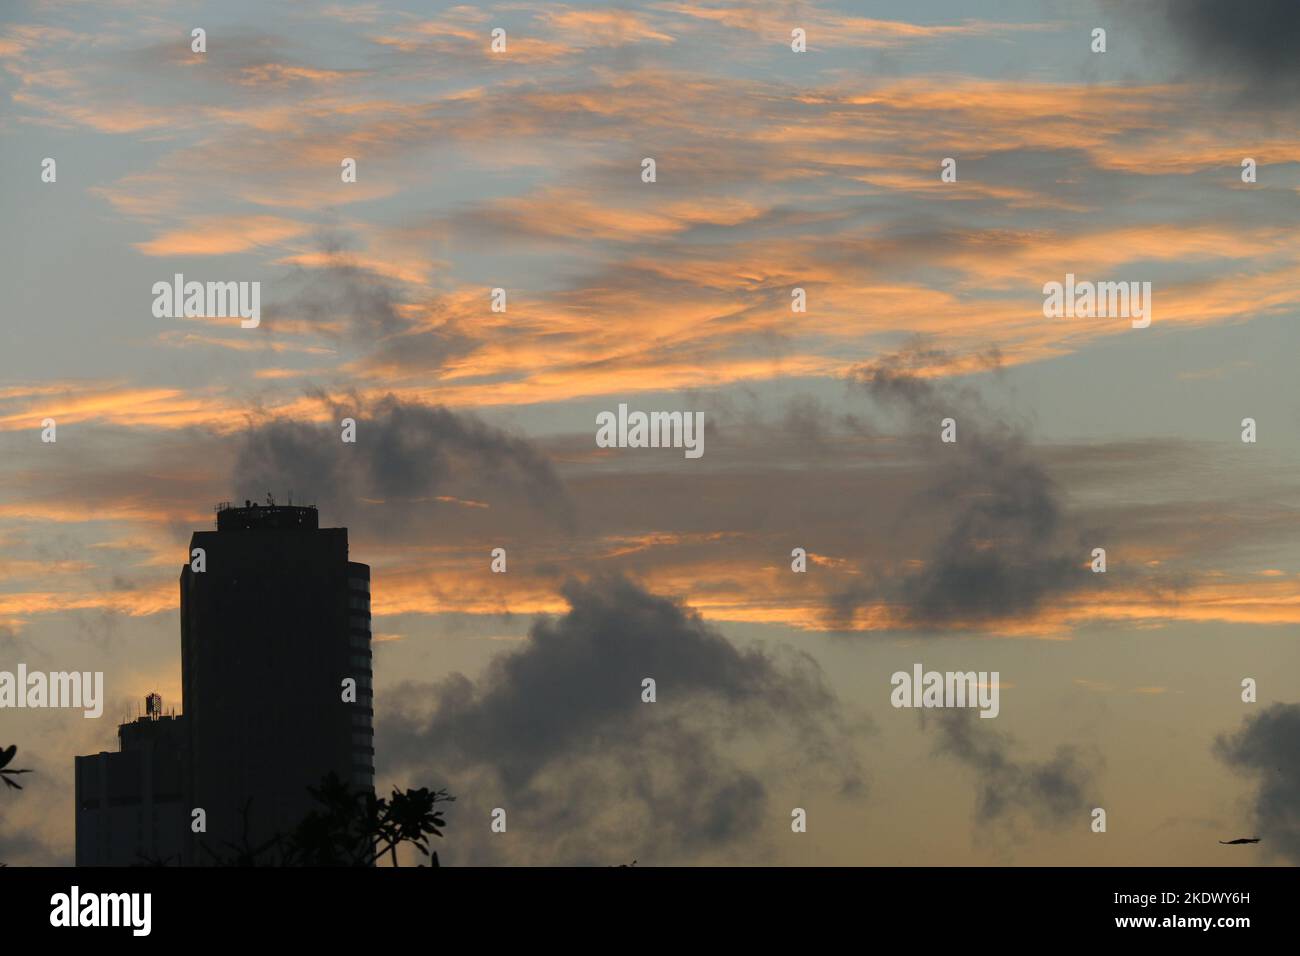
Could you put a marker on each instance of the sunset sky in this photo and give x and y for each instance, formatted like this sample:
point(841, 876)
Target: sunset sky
point(775, 170)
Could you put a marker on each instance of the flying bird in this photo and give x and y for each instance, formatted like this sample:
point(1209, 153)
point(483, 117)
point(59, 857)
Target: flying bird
point(1240, 840)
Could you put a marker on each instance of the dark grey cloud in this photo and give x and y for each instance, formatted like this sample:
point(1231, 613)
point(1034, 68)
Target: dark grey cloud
point(342, 291)
point(745, 428)
point(1260, 39)
point(355, 306)
point(1047, 793)
point(403, 454)
point(557, 733)
point(1267, 746)
point(1252, 44)
point(1005, 545)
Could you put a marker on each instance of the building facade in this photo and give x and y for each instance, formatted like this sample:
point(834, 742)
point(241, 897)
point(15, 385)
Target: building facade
point(272, 628)
point(277, 693)
point(131, 805)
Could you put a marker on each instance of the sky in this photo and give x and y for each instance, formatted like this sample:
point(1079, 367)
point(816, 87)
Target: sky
point(522, 169)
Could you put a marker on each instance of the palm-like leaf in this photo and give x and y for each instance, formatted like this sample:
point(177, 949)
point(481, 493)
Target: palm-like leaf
point(7, 774)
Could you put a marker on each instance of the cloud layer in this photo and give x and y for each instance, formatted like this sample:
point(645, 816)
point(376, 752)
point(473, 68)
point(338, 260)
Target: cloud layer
point(1265, 748)
point(557, 733)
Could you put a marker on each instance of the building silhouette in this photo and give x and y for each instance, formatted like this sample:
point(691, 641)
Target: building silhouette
point(131, 805)
point(275, 623)
point(270, 630)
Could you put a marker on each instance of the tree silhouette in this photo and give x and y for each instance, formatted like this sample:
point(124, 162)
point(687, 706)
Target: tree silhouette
point(349, 828)
point(6, 773)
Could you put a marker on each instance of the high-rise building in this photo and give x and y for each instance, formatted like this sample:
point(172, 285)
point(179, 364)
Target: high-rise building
point(275, 625)
point(272, 628)
point(131, 805)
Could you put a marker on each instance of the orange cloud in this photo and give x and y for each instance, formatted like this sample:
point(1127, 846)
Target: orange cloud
point(603, 27)
point(139, 602)
point(223, 235)
point(122, 405)
point(833, 30)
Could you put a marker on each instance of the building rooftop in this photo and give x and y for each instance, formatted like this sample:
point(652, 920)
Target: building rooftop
point(270, 516)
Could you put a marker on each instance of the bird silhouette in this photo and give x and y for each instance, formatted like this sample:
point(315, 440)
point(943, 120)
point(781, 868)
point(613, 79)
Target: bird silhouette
point(1240, 840)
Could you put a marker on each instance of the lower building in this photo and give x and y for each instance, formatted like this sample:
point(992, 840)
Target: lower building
point(131, 805)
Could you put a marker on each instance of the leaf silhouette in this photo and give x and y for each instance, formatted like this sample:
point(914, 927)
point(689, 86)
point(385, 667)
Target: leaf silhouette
point(6, 774)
